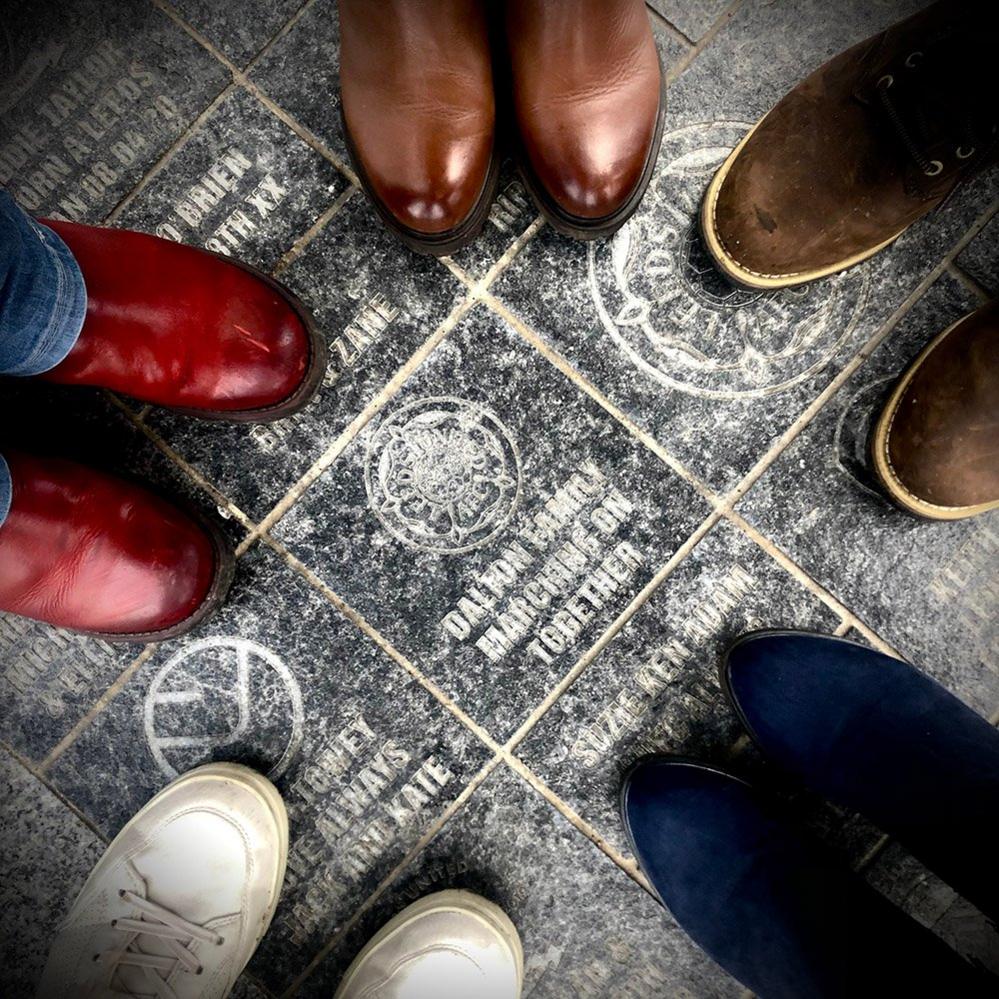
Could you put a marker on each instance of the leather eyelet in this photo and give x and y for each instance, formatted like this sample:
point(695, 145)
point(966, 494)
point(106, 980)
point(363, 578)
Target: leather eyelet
point(961, 154)
point(936, 168)
point(886, 81)
point(909, 59)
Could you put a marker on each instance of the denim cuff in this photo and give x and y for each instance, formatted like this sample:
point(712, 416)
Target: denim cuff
point(69, 308)
point(6, 490)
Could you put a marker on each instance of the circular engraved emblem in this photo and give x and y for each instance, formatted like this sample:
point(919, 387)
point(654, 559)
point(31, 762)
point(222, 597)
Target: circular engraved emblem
point(664, 304)
point(219, 697)
point(443, 474)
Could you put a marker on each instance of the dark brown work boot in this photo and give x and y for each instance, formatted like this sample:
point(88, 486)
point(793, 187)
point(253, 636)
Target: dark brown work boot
point(860, 150)
point(588, 102)
point(419, 114)
point(936, 445)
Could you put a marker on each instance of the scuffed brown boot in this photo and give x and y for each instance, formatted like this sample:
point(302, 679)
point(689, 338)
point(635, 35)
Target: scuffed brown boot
point(936, 445)
point(860, 150)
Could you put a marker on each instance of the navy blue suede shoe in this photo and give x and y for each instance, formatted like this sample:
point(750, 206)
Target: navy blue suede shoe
point(772, 907)
point(876, 736)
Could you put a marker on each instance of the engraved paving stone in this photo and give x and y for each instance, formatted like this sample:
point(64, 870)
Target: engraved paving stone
point(47, 854)
point(716, 373)
point(655, 688)
point(492, 521)
point(980, 258)
point(49, 677)
point(588, 930)
point(364, 758)
point(692, 17)
point(243, 185)
point(91, 95)
point(376, 303)
point(928, 588)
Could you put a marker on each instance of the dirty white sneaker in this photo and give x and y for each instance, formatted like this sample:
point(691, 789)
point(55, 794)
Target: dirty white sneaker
point(178, 903)
point(452, 945)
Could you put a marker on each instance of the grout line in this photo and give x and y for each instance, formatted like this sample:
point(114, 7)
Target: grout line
point(960, 275)
point(511, 252)
point(189, 28)
point(458, 271)
point(872, 854)
point(96, 708)
point(383, 643)
point(383, 396)
point(257, 984)
point(278, 35)
point(629, 866)
point(704, 41)
point(167, 157)
point(591, 390)
point(429, 834)
point(610, 632)
point(842, 628)
point(44, 781)
point(785, 439)
point(669, 27)
point(295, 251)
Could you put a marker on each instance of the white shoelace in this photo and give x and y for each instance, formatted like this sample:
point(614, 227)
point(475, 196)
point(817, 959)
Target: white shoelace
point(157, 923)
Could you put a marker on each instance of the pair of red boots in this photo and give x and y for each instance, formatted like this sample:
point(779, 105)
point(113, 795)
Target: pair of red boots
point(173, 326)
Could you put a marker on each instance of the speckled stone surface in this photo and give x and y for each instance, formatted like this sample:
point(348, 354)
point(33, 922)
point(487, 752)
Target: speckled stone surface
point(980, 258)
point(655, 688)
point(586, 931)
point(484, 517)
point(93, 92)
point(243, 185)
point(364, 757)
point(496, 518)
point(376, 303)
point(931, 593)
point(47, 854)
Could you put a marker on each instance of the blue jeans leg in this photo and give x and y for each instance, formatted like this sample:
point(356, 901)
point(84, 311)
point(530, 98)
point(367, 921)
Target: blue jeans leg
point(6, 489)
point(43, 299)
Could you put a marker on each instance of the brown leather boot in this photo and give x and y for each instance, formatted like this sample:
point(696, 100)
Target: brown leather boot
point(85, 550)
point(936, 445)
point(419, 115)
point(856, 153)
point(589, 103)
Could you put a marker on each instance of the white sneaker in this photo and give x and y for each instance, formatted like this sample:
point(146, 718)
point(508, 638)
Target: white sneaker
point(179, 901)
point(452, 945)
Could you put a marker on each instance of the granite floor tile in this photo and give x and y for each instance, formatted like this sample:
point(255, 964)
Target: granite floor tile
point(49, 677)
point(980, 258)
point(376, 303)
point(302, 74)
point(588, 930)
point(716, 373)
point(936, 905)
point(47, 854)
point(692, 17)
point(91, 94)
point(244, 185)
point(239, 38)
point(492, 521)
point(655, 688)
point(279, 680)
point(930, 589)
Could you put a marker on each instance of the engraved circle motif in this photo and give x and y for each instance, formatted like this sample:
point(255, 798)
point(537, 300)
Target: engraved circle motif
point(443, 474)
point(666, 307)
point(252, 705)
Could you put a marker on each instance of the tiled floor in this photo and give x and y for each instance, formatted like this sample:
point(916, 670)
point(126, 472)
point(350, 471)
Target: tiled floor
point(427, 725)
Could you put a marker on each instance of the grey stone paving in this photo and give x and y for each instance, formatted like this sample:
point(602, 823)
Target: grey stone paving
point(450, 700)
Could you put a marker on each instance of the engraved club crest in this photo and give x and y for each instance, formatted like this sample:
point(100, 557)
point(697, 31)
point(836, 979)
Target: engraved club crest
point(666, 307)
point(443, 474)
point(218, 697)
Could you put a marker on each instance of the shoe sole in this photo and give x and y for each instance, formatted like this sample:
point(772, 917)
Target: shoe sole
point(751, 280)
point(881, 457)
point(316, 371)
point(452, 900)
point(225, 570)
point(589, 229)
point(441, 244)
point(235, 773)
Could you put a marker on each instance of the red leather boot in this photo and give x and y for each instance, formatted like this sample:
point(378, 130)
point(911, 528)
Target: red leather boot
point(177, 326)
point(85, 550)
